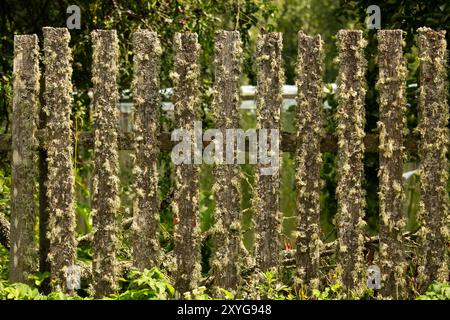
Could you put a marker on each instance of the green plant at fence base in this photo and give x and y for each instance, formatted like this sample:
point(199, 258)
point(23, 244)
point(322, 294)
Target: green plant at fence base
point(151, 284)
point(436, 291)
point(145, 285)
point(271, 287)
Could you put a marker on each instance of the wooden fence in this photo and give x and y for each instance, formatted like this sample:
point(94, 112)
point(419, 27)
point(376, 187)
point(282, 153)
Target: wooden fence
point(46, 143)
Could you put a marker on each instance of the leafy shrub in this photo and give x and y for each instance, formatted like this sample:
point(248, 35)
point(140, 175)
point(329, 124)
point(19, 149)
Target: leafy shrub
point(146, 285)
point(436, 291)
point(270, 287)
point(18, 291)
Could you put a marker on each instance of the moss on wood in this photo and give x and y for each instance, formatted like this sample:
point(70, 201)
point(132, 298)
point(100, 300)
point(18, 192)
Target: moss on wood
point(433, 148)
point(227, 225)
point(269, 98)
point(186, 207)
point(147, 55)
point(308, 157)
point(350, 132)
point(25, 104)
point(105, 173)
point(60, 179)
point(391, 87)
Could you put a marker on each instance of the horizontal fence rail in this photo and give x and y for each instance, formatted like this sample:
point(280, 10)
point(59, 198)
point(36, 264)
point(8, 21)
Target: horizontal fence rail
point(328, 143)
point(51, 138)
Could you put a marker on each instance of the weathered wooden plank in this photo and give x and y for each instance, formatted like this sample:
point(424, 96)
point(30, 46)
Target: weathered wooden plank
point(105, 173)
point(23, 256)
point(147, 60)
point(308, 158)
point(186, 197)
point(60, 180)
point(270, 79)
point(433, 149)
point(391, 86)
point(350, 131)
point(227, 227)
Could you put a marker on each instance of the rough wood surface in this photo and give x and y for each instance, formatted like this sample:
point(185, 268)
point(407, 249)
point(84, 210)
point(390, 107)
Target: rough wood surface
point(270, 79)
point(227, 224)
point(308, 158)
point(60, 180)
point(391, 87)
point(105, 173)
point(433, 149)
point(147, 55)
point(23, 254)
point(350, 131)
point(185, 205)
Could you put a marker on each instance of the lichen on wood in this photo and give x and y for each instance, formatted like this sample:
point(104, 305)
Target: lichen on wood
point(185, 77)
point(105, 172)
point(391, 87)
point(147, 61)
point(227, 225)
point(433, 148)
point(308, 157)
point(25, 104)
point(270, 77)
point(350, 131)
point(60, 179)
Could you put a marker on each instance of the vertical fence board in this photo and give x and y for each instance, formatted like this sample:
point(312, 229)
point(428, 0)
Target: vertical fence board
point(227, 227)
point(185, 206)
point(350, 132)
point(269, 99)
point(60, 180)
point(391, 86)
point(308, 157)
point(433, 148)
point(147, 55)
point(24, 142)
point(105, 173)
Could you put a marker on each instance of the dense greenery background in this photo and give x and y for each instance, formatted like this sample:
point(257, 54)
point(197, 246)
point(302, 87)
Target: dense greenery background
point(250, 17)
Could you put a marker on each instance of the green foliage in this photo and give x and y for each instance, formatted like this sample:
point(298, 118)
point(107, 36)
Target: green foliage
point(20, 291)
point(39, 278)
point(5, 192)
point(197, 294)
point(5, 97)
point(313, 17)
point(335, 292)
point(270, 287)
point(436, 291)
point(4, 263)
point(329, 293)
point(147, 285)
